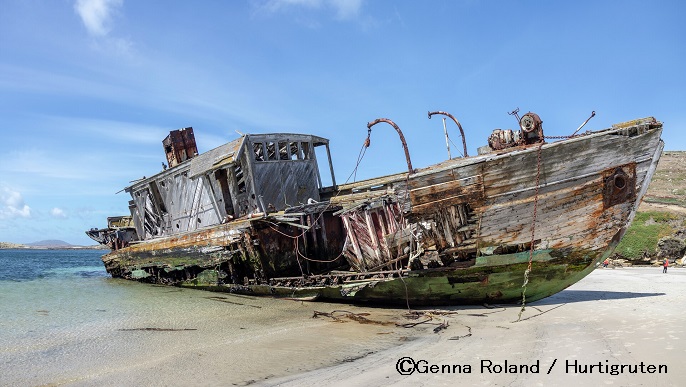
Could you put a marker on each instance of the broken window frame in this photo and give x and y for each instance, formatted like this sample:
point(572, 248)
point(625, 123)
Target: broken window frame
point(294, 149)
point(258, 151)
point(239, 175)
point(271, 151)
point(283, 147)
point(306, 148)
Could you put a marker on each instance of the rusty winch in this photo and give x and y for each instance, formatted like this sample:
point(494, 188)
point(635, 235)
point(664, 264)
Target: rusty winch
point(530, 132)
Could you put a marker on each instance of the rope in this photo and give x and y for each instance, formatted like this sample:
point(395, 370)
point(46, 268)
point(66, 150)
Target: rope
point(297, 249)
point(302, 273)
point(402, 220)
point(363, 150)
point(456, 147)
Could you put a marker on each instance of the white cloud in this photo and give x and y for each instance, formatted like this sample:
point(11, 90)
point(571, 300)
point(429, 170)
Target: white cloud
point(58, 213)
point(32, 80)
point(34, 162)
point(97, 14)
point(12, 204)
point(120, 131)
point(279, 5)
point(344, 9)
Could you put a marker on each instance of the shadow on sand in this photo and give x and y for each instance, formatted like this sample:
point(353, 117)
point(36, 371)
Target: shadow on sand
point(569, 296)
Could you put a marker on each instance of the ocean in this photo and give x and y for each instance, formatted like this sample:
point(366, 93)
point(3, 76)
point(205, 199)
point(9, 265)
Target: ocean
point(65, 321)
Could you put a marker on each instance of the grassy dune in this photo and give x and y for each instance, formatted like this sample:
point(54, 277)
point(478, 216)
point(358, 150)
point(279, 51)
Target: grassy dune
point(662, 213)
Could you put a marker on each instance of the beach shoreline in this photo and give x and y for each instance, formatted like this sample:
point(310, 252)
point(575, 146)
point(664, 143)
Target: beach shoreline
point(128, 333)
point(581, 336)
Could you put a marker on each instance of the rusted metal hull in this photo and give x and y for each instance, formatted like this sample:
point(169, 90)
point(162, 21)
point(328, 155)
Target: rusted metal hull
point(462, 231)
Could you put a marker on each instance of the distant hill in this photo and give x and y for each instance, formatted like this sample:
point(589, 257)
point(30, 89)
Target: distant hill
point(667, 190)
point(50, 243)
point(661, 216)
point(10, 245)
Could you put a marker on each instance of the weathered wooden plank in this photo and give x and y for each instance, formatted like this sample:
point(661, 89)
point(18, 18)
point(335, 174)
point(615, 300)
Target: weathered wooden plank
point(357, 260)
point(468, 197)
point(446, 190)
point(516, 171)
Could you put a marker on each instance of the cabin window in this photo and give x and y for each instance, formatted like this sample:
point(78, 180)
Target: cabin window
point(305, 147)
point(259, 151)
point(271, 150)
point(283, 151)
point(240, 181)
point(295, 153)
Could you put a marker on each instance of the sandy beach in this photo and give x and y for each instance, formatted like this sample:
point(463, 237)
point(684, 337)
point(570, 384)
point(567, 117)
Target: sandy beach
point(112, 333)
point(625, 316)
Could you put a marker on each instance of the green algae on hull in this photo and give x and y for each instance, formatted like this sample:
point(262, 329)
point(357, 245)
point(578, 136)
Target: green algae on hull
point(475, 285)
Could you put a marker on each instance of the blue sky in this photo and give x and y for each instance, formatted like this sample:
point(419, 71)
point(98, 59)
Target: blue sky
point(89, 88)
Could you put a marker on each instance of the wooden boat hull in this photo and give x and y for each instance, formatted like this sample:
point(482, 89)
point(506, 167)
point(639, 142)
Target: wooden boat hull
point(459, 232)
point(551, 272)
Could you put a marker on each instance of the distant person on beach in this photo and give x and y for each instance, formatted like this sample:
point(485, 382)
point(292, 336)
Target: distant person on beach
point(606, 262)
point(665, 264)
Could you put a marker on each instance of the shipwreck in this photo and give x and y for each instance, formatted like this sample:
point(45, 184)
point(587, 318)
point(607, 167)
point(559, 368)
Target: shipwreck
point(525, 217)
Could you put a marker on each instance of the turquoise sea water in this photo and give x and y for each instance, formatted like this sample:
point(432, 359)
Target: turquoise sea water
point(26, 265)
point(54, 304)
point(64, 321)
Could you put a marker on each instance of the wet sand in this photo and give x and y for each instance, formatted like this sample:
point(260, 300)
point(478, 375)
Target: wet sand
point(623, 316)
point(613, 317)
point(102, 331)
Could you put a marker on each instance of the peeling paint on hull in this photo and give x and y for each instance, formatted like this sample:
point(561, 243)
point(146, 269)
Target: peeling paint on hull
point(459, 232)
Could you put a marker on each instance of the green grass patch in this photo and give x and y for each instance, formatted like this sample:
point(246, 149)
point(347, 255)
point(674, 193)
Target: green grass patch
point(660, 200)
point(644, 233)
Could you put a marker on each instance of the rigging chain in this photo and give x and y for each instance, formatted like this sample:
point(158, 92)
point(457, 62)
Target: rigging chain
point(533, 222)
point(533, 231)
